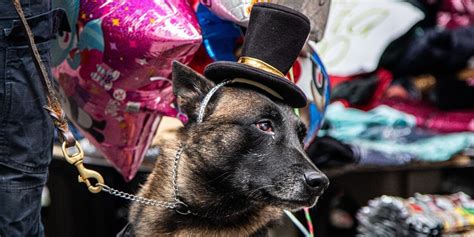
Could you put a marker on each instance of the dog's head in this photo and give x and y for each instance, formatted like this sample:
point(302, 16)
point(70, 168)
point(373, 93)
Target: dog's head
point(248, 148)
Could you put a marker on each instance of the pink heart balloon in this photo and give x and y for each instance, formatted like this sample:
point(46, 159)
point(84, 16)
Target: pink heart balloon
point(113, 70)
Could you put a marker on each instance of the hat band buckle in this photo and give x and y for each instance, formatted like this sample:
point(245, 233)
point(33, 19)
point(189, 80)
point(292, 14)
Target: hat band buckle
point(257, 63)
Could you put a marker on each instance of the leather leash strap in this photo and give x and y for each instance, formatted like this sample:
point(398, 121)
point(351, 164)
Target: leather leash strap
point(56, 112)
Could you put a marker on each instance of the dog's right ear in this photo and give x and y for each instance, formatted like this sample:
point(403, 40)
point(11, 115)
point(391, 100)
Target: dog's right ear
point(190, 88)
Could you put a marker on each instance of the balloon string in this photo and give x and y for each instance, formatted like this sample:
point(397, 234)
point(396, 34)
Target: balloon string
point(306, 210)
point(309, 221)
point(297, 223)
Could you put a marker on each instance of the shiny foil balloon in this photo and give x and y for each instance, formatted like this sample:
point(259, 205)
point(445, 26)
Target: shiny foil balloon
point(219, 36)
point(238, 11)
point(113, 68)
point(314, 81)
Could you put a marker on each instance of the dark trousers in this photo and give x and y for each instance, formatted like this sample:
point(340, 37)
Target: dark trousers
point(26, 131)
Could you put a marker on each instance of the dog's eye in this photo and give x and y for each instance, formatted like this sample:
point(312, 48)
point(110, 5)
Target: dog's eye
point(265, 126)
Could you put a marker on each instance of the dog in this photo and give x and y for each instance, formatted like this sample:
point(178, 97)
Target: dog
point(238, 170)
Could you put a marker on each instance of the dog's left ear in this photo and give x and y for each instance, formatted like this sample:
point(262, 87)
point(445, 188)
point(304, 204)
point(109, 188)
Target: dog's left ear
point(190, 88)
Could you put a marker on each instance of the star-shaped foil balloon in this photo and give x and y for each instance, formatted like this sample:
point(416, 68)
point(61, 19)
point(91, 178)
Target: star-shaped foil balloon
point(113, 68)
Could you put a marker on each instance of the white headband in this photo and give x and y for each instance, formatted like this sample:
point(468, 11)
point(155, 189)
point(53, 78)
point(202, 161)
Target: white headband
point(206, 99)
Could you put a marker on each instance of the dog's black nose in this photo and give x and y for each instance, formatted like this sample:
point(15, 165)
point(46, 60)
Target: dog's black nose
point(316, 180)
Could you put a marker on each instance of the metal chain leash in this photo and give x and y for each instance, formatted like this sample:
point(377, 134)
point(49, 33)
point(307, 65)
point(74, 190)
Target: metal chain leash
point(76, 158)
point(135, 198)
point(178, 205)
point(175, 172)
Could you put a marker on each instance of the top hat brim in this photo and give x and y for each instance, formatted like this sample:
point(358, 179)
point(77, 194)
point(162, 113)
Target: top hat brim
point(290, 92)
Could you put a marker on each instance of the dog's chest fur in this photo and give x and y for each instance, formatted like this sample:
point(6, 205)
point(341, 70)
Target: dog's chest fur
point(156, 221)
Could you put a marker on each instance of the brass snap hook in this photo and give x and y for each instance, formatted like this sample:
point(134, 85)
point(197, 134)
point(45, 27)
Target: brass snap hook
point(85, 174)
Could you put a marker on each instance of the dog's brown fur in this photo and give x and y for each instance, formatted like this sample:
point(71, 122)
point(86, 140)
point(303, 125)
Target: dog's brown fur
point(152, 221)
point(206, 146)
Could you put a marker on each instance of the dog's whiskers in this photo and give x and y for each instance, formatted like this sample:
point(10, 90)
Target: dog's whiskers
point(259, 188)
point(222, 177)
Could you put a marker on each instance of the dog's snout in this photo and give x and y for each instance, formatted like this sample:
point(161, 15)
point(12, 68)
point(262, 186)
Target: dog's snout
point(316, 180)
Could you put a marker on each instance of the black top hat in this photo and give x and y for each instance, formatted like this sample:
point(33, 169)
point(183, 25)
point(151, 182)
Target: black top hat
point(274, 39)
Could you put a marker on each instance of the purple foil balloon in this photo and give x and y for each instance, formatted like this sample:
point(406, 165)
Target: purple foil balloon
point(113, 70)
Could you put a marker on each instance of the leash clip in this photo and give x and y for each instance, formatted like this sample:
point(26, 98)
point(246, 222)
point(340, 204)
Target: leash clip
point(77, 159)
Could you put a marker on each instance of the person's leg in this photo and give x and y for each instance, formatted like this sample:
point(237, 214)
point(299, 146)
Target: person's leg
point(20, 195)
point(26, 131)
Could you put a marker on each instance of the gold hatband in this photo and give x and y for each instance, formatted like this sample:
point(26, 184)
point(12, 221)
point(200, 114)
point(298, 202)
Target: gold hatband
point(257, 63)
point(259, 85)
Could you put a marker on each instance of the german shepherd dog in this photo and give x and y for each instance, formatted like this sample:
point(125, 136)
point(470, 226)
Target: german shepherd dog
point(239, 169)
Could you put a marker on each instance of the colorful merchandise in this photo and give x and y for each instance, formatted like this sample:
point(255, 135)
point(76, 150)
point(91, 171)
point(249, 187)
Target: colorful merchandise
point(364, 91)
point(390, 131)
point(346, 124)
point(366, 156)
point(455, 13)
point(421, 215)
point(428, 116)
point(113, 68)
point(356, 92)
point(435, 149)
